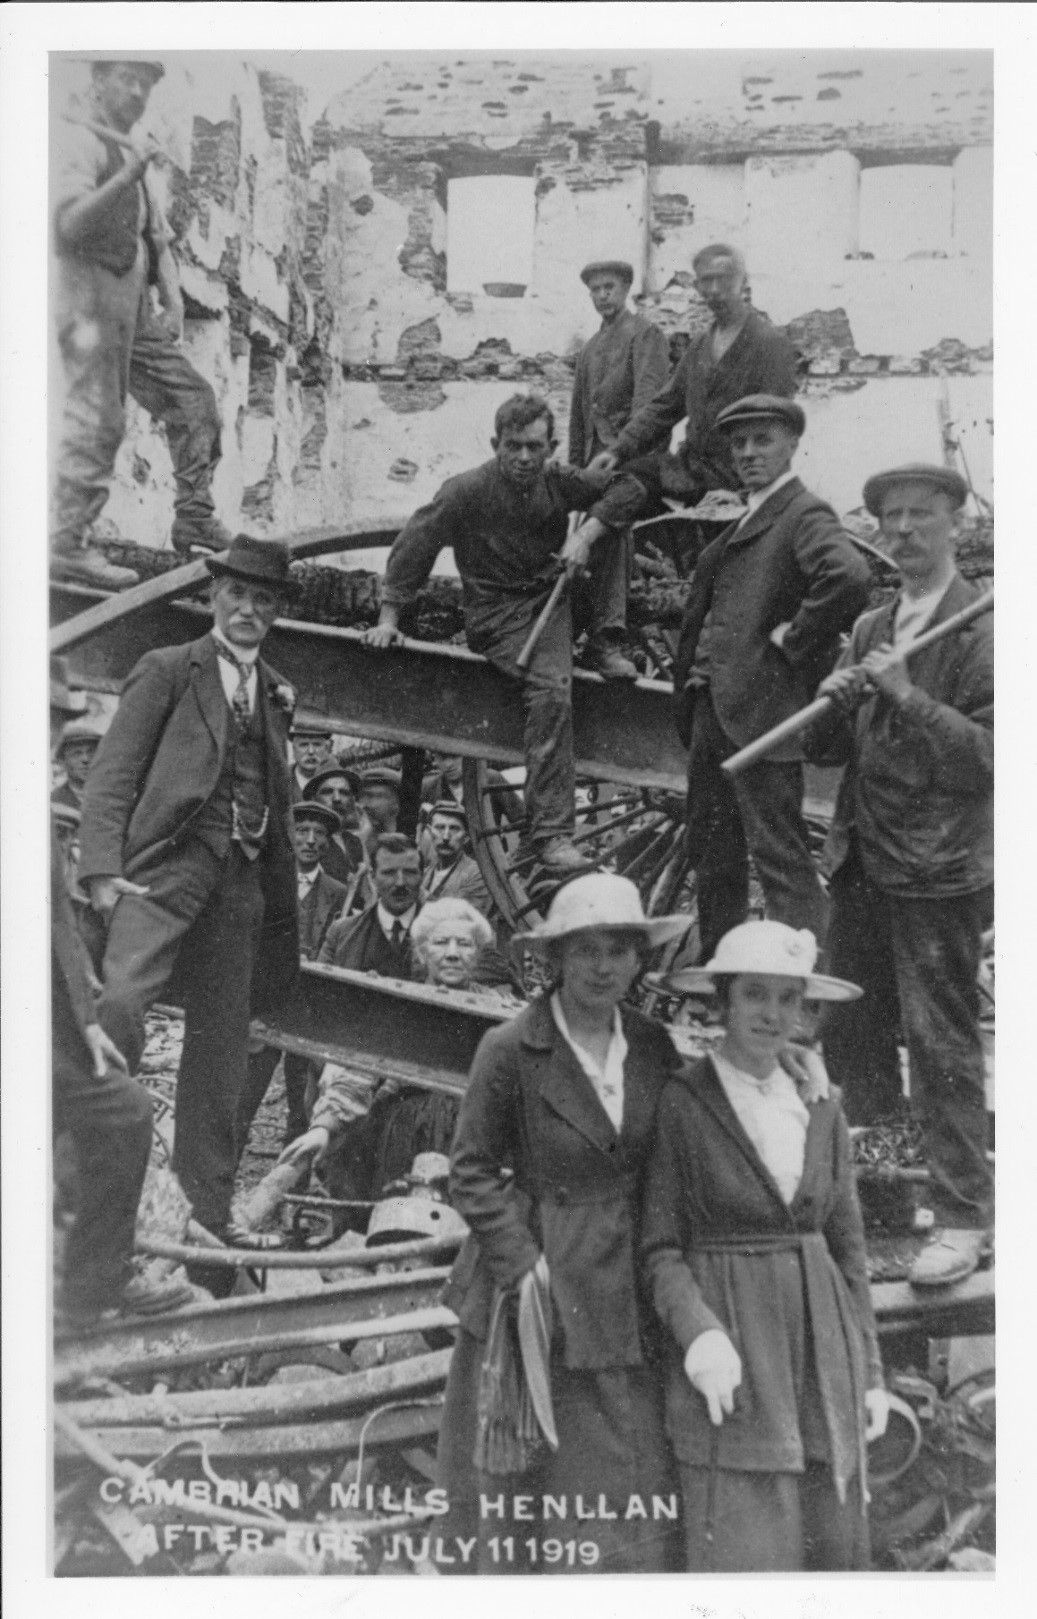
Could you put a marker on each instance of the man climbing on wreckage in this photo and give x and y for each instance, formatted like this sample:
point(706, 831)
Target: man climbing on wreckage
point(507, 522)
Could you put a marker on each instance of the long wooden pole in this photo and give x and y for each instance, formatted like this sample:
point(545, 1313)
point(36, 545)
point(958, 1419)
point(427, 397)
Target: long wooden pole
point(546, 612)
point(806, 716)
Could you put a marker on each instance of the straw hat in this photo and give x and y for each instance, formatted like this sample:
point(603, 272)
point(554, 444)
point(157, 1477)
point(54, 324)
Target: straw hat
point(769, 949)
point(602, 900)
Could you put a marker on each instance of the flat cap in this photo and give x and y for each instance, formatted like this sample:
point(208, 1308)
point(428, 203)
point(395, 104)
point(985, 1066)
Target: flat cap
point(449, 806)
point(154, 69)
point(618, 267)
point(945, 478)
point(304, 727)
point(760, 407)
point(88, 729)
point(329, 772)
point(381, 776)
point(309, 812)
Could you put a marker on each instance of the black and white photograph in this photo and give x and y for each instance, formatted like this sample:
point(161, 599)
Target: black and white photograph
point(517, 1074)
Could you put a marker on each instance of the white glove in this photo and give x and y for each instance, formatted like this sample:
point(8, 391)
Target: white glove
point(807, 1069)
point(714, 1367)
point(876, 1407)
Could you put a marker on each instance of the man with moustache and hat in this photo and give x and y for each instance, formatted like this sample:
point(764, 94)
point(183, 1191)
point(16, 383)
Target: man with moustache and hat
point(185, 852)
point(111, 245)
point(768, 601)
point(455, 874)
point(911, 852)
point(337, 787)
point(311, 751)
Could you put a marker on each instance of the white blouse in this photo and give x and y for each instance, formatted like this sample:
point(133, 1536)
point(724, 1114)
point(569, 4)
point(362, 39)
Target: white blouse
point(773, 1117)
point(607, 1081)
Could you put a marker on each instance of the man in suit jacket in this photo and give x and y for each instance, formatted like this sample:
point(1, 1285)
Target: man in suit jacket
point(107, 1114)
point(768, 600)
point(456, 873)
point(77, 744)
point(619, 370)
point(378, 940)
point(911, 851)
point(185, 852)
point(311, 750)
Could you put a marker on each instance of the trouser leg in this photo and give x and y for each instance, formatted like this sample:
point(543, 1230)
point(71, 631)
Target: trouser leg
point(936, 944)
point(770, 803)
point(96, 318)
point(609, 570)
point(716, 839)
point(162, 379)
point(144, 939)
point(260, 1071)
point(296, 1083)
point(219, 955)
point(109, 1121)
point(860, 1037)
point(550, 790)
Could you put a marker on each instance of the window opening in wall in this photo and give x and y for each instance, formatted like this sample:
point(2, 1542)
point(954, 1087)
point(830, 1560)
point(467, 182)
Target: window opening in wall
point(489, 234)
point(906, 211)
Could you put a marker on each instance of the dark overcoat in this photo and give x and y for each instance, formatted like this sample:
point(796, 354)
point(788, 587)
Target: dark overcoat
point(317, 911)
point(790, 562)
point(788, 1283)
point(530, 1108)
point(157, 767)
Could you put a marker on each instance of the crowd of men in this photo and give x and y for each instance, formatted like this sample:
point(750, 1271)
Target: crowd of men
point(209, 861)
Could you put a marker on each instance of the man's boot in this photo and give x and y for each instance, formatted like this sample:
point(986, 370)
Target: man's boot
point(949, 1256)
point(199, 534)
point(606, 658)
point(81, 565)
point(562, 856)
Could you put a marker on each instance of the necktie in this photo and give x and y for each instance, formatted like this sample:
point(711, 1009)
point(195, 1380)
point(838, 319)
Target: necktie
point(397, 935)
point(239, 698)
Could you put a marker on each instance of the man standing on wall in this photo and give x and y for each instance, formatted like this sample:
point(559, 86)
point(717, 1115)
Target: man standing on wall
point(912, 856)
point(507, 522)
point(768, 601)
point(739, 354)
point(111, 245)
point(621, 368)
point(186, 855)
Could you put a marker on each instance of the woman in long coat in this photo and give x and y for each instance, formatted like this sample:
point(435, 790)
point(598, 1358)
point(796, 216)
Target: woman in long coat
point(753, 1239)
point(547, 1170)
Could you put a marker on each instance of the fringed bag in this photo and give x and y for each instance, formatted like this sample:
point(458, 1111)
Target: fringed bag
point(515, 1414)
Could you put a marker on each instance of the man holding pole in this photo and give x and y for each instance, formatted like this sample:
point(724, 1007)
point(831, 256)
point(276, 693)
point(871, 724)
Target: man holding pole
point(507, 522)
point(768, 600)
point(911, 852)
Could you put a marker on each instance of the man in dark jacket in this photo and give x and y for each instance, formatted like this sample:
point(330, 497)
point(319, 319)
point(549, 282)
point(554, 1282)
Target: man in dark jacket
point(378, 940)
point(107, 1114)
point(621, 368)
point(111, 242)
point(507, 522)
point(185, 852)
point(739, 354)
point(77, 744)
point(768, 600)
point(912, 855)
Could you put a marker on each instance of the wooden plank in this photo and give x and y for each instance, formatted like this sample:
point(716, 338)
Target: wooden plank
point(166, 587)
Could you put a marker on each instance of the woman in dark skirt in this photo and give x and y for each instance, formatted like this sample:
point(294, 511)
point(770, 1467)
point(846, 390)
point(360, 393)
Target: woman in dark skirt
point(753, 1239)
point(547, 1170)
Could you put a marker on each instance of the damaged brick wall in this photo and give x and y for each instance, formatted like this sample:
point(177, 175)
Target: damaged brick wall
point(353, 371)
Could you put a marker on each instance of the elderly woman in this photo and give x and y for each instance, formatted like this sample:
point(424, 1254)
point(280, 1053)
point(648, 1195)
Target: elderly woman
point(366, 1137)
point(547, 1166)
point(754, 1246)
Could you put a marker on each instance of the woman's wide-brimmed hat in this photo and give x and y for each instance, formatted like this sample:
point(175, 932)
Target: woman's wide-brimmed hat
point(769, 949)
point(261, 562)
point(602, 900)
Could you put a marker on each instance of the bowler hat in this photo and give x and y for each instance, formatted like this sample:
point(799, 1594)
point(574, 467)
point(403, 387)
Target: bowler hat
point(618, 267)
point(309, 810)
point(770, 949)
point(87, 729)
point(602, 900)
point(62, 697)
point(261, 562)
point(328, 772)
point(381, 776)
point(945, 478)
point(760, 407)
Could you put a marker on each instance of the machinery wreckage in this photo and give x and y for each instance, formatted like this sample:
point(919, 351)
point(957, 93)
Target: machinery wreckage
point(292, 1427)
